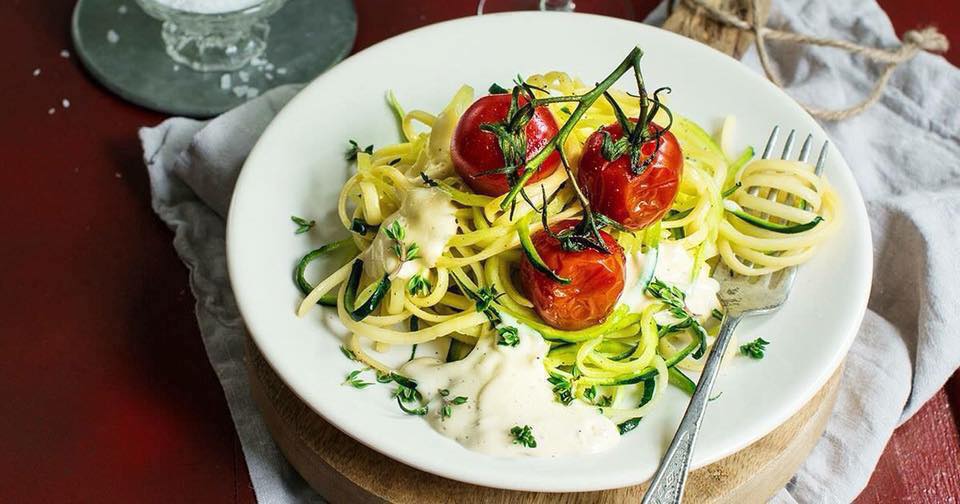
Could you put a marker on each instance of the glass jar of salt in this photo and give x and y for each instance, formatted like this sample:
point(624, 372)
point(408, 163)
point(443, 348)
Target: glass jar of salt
point(213, 35)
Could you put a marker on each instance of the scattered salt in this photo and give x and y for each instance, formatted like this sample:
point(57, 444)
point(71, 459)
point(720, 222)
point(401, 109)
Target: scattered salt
point(64, 53)
point(51, 111)
point(240, 91)
point(268, 75)
point(252, 93)
point(257, 61)
point(176, 68)
point(269, 67)
point(36, 72)
point(112, 37)
point(122, 9)
point(65, 103)
point(209, 6)
point(244, 76)
point(225, 82)
point(282, 70)
point(231, 49)
point(118, 174)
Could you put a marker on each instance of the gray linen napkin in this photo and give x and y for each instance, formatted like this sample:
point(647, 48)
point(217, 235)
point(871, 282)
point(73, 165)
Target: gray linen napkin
point(905, 153)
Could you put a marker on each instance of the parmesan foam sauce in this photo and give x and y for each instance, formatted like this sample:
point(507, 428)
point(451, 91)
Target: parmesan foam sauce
point(507, 387)
point(675, 267)
point(427, 216)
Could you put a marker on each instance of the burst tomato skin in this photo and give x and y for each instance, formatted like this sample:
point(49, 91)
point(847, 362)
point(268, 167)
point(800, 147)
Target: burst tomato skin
point(475, 151)
point(636, 201)
point(596, 281)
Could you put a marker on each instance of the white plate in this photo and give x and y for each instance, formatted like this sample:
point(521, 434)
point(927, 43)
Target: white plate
point(297, 168)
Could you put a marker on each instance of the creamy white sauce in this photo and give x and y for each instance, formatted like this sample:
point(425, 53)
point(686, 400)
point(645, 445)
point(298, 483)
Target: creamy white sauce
point(675, 267)
point(506, 387)
point(427, 216)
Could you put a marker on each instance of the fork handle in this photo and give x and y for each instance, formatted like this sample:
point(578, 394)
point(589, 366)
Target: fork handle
point(667, 484)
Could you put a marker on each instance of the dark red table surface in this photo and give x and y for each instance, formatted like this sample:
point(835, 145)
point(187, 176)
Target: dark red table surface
point(107, 392)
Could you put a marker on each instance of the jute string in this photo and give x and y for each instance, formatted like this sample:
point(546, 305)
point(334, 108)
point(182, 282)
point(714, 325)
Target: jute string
point(927, 39)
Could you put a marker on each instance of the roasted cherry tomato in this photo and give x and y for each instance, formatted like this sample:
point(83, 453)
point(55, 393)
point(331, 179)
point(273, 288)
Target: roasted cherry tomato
point(475, 151)
point(596, 281)
point(636, 201)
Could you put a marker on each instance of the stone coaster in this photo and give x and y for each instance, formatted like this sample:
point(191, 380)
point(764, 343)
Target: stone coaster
point(121, 48)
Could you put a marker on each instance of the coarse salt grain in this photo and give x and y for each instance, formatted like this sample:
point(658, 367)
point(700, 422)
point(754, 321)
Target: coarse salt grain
point(240, 91)
point(225, 82)
point(64, 53)
point(36, 72)
point(282, 70)
point(122, 9)
point(65, 103)
point(252, 93)
point(113, 37)
point(51, 110)
point(176, 68)
point(268, 75)
point(244, 76)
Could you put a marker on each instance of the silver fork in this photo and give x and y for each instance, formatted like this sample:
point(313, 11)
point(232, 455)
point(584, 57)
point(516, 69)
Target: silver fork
point(741, 297)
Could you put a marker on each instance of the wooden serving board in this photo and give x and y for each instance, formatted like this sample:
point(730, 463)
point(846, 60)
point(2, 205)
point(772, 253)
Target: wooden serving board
point(343, 470)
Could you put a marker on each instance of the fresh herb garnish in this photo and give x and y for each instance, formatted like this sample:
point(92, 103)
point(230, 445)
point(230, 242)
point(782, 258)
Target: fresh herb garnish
point(406, 391)
point(303, 225)
point(418, 285)
point(565, 109)
point(523, 436)
point(562, 389)
point(348, 353)
point(355, 149)
point(605, 401)
point(446, 405)
point(384, 377)
point(674, 299)
point(755, 349)
point(717, 314)
point(354, 381)
point(590, 393)
point(404, 251)
point(508, 336)
point(484, 297)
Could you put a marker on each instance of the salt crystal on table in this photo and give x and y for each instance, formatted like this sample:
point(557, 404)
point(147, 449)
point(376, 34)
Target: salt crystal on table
point(240, 91)
point(36, 72)
point(252, 93)
point(65, 103)
point(244, 76)
point(51, 110)
point(268, 75)
point(122, 9)
point(176, 68)
point(64, 53)
point(225, 82)
point(231, 49)
point(282, 70)
point(269, 67)
point(118, 174)
point(112, 37)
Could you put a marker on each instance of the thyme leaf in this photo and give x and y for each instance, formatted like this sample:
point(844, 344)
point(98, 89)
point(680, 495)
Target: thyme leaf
point(755, 349)
point(354, 381)
point(508, 336)
point(303, 225)
point(418, 285)
point(355, 149)
point(523, 436)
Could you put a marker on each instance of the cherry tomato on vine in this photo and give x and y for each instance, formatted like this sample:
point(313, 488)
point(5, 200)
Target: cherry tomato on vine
point(475, 151)
point(633, 200)
point(596, 280)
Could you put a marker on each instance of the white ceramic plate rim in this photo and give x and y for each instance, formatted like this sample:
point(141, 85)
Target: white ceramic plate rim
point(247, 295)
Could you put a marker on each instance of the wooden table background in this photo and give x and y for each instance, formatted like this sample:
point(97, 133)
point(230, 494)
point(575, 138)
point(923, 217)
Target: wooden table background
point(108, 394)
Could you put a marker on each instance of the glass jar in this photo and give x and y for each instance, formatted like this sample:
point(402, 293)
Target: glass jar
point(213, 36)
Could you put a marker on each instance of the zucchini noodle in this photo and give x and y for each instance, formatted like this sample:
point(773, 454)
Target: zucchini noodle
point(756, 217)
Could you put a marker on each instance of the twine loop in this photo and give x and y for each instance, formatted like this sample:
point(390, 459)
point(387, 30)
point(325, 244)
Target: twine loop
point(928, 39)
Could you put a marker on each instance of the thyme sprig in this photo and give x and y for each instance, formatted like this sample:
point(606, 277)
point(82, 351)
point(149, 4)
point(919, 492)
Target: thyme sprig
point(355, 149)
point(404, 251)
point(418, 285)
point(446, 405)
point(353, 380)
point(675, 301)
point(508, 336)
point(483, 298)
point(303, 225)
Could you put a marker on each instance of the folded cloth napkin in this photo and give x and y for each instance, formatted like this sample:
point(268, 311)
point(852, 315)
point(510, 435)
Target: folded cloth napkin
point(905, 154)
